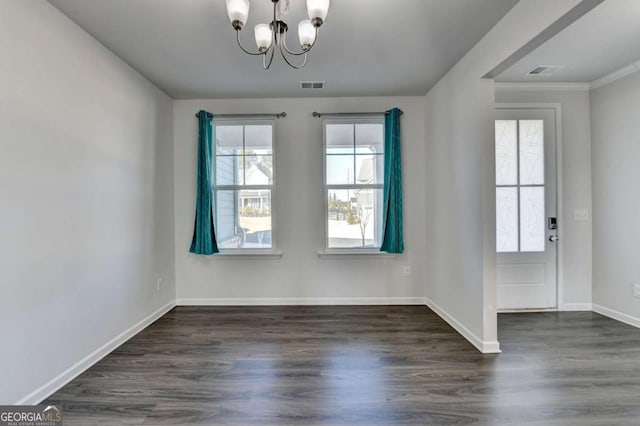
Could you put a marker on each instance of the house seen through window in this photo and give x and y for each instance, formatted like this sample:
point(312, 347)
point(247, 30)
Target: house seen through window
point(243, 184)
point(354, 177)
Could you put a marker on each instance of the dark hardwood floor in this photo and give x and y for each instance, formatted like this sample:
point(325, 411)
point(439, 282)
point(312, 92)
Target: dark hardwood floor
point(357, 365)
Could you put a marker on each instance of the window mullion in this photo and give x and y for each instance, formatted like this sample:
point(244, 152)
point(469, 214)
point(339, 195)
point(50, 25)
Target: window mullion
point(244, 156)
point(358, 186)
point(518, 182)
point(354, 154)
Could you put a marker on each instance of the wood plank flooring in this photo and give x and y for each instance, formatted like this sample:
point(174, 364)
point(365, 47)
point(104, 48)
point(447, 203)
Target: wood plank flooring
point(360, 365)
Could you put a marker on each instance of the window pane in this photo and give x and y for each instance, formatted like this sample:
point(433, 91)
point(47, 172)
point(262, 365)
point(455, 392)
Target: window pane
point(506, 220)
point(354, 218)
point(339, 138)
point(243, 219)
point(228, 140)
point(340, 169)
point(369, 169)
point(370, 138)
point(228, 233)
point(506, 152)
point(532, 233)
point(531, 152)
point(259, 170)
point(258, 139)
point(255, 218)
point(229, 170)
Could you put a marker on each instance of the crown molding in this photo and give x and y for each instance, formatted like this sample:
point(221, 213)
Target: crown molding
point(569, 87)
point(616, 75)
point(538, 87)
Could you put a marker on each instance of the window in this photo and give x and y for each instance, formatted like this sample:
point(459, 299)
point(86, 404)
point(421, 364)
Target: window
point(354, 179)
point(243, 184)
point(520, 191)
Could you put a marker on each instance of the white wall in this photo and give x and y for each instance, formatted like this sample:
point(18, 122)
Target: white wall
point(461, 176)
point(576, 188)
point(85, 198)
point(300, 276)
point(615, 130)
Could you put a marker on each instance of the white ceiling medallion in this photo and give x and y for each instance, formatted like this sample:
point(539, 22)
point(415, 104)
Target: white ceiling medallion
point(272, 36)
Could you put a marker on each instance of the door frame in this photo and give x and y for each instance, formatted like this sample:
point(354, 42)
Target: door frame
point(557, 107)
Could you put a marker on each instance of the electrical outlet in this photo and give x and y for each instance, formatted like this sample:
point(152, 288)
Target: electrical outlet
point(636, 290)
point(158, 284)
point(406, 271)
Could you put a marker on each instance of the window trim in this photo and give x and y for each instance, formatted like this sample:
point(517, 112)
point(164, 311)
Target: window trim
point(338, 253)
point(327, 251)
point(248, 252)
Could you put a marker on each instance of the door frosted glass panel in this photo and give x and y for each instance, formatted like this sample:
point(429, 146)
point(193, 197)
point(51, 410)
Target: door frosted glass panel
point(506, 152)
point(531, 152)
point(507, 219)
point(532, 231)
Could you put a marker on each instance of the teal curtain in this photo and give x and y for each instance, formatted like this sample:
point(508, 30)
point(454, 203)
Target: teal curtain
point(204, 236)
point(392, 241)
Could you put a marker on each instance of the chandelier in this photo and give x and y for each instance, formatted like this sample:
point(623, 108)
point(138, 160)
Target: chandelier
point(273, 36)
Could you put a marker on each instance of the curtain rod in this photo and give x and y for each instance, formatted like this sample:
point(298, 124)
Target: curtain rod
point(339, 114)
point(276, 115)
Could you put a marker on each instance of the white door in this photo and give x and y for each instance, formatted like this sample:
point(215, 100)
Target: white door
point(526, 208)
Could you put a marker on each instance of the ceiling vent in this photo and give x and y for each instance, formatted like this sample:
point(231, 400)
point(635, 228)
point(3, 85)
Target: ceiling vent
point(312, 84)
point(545, 70)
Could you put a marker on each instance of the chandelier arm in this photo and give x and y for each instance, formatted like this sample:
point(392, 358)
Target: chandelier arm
point(304, 51)
point(297, 67)
point(279, 37)
point(266, 65)
point(245, 50)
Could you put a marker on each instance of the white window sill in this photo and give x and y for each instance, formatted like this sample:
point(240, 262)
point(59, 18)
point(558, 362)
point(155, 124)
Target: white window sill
point(248, 254)
point(351, 253)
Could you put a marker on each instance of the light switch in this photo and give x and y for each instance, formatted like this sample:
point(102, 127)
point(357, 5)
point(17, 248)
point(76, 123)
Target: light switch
point(581, 214)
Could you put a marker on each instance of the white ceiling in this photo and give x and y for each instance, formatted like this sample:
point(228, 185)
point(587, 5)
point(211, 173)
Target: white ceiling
point(601, 42)
point(365, 47)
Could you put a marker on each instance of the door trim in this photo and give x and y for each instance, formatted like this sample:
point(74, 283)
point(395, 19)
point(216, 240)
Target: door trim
point(557, 107)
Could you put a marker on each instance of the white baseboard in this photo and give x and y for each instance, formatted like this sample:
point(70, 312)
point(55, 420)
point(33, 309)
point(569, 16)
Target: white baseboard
point(78, 368)
point(486, 347)
point(576, 307)
point(285, 301)
point(617, 315)
point(482, 346)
